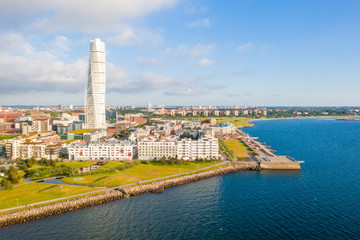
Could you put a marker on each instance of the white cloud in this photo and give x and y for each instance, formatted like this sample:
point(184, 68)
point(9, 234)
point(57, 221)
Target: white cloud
point(134, 36)
point(80, 15)
point(62, 43)
point(182, 51)
point(43, 71)
point(245, 47)
point(193, 88)
point(141, 83)
point(186, 91)
point(202, 50)
point(28, 69)
point(205, 62)
point(196, 9)
point(199, 23)
point(15, 43)
point(186, 50)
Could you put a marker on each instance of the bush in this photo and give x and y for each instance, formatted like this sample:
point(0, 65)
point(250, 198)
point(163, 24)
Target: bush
point(49, 172)
point(93, 172)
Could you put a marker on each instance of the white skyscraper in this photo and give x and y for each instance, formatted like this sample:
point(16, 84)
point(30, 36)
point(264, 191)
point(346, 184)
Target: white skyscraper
point(96, 87)
point(149, 107)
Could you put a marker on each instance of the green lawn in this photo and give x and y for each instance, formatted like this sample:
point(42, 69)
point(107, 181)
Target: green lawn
point(37, 192)
point(240, 155)
point(76, 165)
point(81, 131)
point(140, 172)
point(155, 170)
point(237, 121)
point(110, 179)
point(112, 165)
point(238, 147)
point(2, 137)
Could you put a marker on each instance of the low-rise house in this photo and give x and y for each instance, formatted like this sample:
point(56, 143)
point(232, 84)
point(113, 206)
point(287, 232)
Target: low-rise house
point(89, 168)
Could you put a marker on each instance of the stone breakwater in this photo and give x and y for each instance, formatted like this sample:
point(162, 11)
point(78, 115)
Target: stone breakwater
point(160, 186)
point(155, 187)
point(57, 208)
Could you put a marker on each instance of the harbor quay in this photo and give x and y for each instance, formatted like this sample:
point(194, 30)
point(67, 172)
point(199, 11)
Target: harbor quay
point(266, 158)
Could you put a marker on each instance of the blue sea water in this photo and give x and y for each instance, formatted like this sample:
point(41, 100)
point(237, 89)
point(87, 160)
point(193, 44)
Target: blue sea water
point(322, 201)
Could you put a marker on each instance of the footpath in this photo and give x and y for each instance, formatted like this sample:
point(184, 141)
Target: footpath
point(108, 189)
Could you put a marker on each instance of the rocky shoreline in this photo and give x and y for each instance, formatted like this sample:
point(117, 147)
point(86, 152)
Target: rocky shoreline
point(155, 187)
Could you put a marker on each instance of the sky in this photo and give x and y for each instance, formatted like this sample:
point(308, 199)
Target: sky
point(183, 52)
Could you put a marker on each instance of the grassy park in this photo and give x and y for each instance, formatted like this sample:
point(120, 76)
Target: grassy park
point(110, 179)
point(75, 165)
point(37, 192)
point(2, 137)
point(238, 147)
point(136, 173)
point(155, 169)
point(27, 193)
point(111, 165)
point(82, 131)
point(237, 121)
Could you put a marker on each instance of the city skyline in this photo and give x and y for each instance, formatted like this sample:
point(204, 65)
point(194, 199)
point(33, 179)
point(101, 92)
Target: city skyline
point(172, 52)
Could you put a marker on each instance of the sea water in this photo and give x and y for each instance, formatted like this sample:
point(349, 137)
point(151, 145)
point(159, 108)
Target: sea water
point(322, 201)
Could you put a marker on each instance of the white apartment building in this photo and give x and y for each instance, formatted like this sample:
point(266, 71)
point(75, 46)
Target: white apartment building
point(26, 149)
point(148, 150)
point(94, 135)
point(116, 150)
point(224, 128)
point(187, 149)
point(203, 148)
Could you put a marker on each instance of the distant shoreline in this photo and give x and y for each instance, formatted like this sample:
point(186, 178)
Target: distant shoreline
point(303, 117)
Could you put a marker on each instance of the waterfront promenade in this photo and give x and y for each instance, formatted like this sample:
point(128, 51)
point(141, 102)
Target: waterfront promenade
point(105, 189)
point(118, 193)
point(266, 158)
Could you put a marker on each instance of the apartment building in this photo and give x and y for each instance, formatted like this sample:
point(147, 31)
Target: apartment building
point(187, 149)
point(203, 148)
point(148, 150)
point(115, 150)
point(27, 149)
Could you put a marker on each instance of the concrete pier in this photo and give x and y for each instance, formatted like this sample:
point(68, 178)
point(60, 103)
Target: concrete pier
point(266, 158)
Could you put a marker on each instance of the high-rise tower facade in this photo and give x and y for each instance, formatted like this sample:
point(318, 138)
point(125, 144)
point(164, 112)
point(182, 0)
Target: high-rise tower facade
point(95, 92)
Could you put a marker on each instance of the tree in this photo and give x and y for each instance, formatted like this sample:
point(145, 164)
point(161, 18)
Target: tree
point(163, 160)
point(25, 167)
point(43, 161)
point(13, 175)
point(53, 163)
point(6, 185)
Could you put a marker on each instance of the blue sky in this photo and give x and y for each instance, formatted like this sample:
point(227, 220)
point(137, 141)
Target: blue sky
point(183, 52)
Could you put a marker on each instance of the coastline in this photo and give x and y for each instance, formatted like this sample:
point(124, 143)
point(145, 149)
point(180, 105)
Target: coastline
point(302, 117)
point(116, 194)
point(119, 193)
